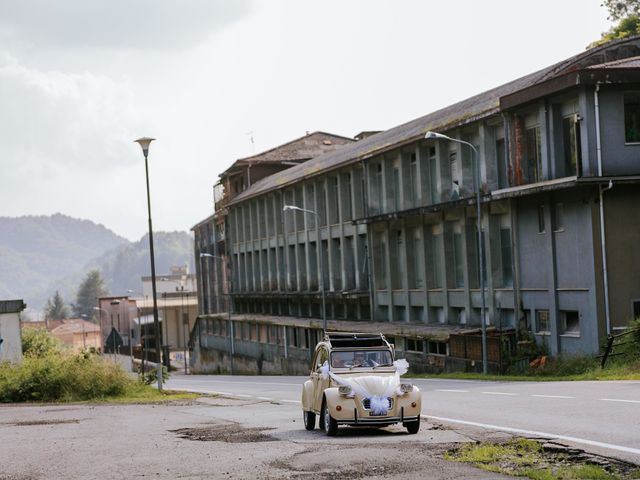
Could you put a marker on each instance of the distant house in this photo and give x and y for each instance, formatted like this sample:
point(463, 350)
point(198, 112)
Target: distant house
point(78, 334)
point(10, 338)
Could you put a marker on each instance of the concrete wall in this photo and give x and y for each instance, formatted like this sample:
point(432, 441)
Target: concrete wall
point(11, 346)
point(618, 158)
point(622, 226)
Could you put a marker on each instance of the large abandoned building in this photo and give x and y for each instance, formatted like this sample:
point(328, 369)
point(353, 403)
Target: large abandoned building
point(392, 218)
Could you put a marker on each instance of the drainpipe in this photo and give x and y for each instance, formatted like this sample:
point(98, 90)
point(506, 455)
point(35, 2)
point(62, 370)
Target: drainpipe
point(601, 190)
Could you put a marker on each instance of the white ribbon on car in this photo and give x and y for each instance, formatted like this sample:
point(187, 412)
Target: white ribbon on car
point(376, 388)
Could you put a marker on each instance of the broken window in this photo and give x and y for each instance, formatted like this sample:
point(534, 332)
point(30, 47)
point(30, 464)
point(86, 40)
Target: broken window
point(458, 257)
point(571, 141)
point(503, 177)
point(533, 157)
point(541, 225)
point(570, 322)
point(433, 176)
point(632, 117)
point(542, 321)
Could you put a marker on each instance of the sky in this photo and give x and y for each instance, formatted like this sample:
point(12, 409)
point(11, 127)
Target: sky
point(218, 80)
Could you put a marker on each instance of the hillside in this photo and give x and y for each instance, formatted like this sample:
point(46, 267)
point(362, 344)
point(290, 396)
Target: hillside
point(39, 255)
point(123, 266)
point(36, 249)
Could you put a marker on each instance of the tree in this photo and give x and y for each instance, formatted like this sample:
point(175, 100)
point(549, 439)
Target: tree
point(91, 288)
point(619, 9)
point(56, 308)
point(627, 14)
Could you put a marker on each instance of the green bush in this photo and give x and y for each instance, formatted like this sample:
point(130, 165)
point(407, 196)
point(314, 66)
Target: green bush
point(38, 342)
point(51, 373)
point(62, 377)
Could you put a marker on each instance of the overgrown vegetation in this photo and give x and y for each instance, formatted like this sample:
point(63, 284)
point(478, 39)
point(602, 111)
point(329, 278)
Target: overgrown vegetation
point(627, 14)
point(624, 364)
point(49, 373)
point(529, 458)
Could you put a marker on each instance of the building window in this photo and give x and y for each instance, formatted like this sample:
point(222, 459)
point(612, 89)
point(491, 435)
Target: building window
point(414, 181)
point(436, 348)
point(458, 257)
point(456, 175)
point(635, 308)
point(541, 225)
point(413, 345)
point(571, 141)
point(533, 160)
point(396, 188)
point(570, 323)
point(542, 321)
point(415, 259)
point(433, 176)
point(632, 117)
point(505, 255)
point(437, 253)
point(558, 217)
point(503, 178)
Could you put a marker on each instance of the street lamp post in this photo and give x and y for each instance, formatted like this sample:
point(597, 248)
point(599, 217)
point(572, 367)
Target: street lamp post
point(144, 144)
point(319, 243)
point(230, 329)
point(483, 327)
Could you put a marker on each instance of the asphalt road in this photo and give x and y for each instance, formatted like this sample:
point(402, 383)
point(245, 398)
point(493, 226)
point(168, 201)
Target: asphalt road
point(602, 417)
point(216, 438)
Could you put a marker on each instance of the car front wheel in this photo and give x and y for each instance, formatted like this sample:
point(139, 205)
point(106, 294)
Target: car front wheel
point(413, 427)
point(330, 425)
point(309, 420)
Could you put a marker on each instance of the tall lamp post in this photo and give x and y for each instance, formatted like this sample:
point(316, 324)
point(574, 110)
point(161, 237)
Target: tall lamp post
point(230, 329)
point(144, 144)
point(319, 243)
point(483, 327)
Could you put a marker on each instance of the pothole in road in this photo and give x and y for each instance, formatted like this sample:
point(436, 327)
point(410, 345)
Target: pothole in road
point(225, 433)
point(345, 463)
point(28, 423)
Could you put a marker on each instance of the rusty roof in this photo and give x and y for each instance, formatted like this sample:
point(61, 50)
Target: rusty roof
point(309, 146)
point(464, 112)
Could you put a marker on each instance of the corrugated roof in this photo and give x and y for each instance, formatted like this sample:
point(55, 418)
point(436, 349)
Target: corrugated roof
point(458, 114)
point(633, 62)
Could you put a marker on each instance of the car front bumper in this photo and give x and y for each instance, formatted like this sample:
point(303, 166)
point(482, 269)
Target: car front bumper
point(363, 420)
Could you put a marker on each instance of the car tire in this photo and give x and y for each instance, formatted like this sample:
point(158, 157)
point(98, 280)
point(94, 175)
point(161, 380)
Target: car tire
point(329, 424)
point(413, 427)
point(309, 420)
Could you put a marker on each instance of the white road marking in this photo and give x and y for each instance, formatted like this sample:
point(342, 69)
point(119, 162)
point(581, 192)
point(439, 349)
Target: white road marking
point(583, 441)
point(500, 393)
point(619, 400)
point(264, 398)
point(290, 401)
point(451, 390)
point(551, 396)
point(243, 395)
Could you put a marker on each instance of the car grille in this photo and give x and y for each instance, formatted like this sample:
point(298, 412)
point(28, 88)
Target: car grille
point(366, 403)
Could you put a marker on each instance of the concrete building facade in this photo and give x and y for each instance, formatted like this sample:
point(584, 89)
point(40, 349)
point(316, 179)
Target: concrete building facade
point(396, 218)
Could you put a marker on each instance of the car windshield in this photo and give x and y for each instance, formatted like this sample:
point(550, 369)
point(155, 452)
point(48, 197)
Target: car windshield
point(361, 358)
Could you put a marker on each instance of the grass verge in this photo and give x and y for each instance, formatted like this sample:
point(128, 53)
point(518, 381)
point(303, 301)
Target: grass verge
point(529, 458)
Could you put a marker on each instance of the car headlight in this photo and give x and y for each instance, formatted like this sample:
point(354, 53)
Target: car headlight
point(344, 390)
point(406, 387)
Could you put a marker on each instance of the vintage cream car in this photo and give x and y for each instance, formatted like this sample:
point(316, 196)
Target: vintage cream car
point(355, 381)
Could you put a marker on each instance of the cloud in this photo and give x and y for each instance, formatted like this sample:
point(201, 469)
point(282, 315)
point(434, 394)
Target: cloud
point(131, 24)
point(55, 120)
